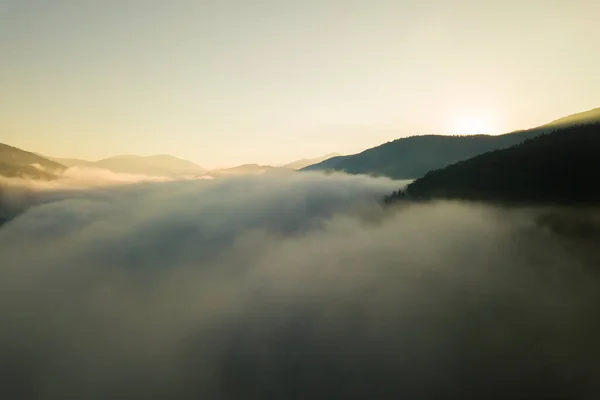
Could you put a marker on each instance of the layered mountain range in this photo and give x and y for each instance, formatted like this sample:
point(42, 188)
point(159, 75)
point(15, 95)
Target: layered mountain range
point(405, 158)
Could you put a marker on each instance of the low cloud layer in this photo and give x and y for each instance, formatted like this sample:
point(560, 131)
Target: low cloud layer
point(294, 287)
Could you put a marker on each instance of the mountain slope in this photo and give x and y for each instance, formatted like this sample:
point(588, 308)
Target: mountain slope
point(562, 167)
point(160, 165)
point(579, 118)
point(249, 169)
point(306, 162)
point(71, 162)
point(15, 162)
point(329, 164)
point(413, 157)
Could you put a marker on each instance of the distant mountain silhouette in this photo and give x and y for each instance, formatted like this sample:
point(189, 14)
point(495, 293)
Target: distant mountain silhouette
point(165, 165)
point(331, 164)
point(253, 169)
point(562, 167)
point(19, 163)
point(71, 162)
point(249, 169)
point(305, 162)
point(413, 157)
point(158, 165)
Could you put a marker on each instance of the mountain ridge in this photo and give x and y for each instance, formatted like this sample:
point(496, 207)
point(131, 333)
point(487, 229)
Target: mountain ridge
point(306, 162)
point(412, 157)
point(159, 164)
point(578, 118)
point(18, 163)
point(560, 168)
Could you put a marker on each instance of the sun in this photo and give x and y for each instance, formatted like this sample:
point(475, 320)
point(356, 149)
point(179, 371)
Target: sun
point(473, 124)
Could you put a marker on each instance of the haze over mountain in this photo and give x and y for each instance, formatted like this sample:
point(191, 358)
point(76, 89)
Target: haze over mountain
point(249, 169)
point(15, 162)
point(405, 158)
point(590, 116)
point(305, 162)
point(71, 162)
point(158, 165)
point(166, 165)
point(413, 157)
point(161, 165)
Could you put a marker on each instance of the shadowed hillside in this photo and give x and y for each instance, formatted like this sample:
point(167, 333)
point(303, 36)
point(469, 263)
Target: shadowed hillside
point(413, 157)
point(558, 168)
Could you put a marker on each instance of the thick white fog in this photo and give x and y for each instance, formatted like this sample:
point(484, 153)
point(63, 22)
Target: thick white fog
point(293, 287)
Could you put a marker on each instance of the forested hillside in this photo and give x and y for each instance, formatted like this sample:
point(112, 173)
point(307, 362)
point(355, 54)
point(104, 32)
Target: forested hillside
point(413, 157)
point(562, 167)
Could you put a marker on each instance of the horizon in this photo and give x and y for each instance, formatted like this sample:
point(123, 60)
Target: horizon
point(267, 83)
point(332, 154)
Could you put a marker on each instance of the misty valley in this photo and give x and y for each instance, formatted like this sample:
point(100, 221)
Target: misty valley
point(299, 200)
point(475, 281)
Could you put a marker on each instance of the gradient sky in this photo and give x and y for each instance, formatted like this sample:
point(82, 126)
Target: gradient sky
point(269, 81)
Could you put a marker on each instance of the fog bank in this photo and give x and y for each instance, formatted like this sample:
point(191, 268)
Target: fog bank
point(294, 287)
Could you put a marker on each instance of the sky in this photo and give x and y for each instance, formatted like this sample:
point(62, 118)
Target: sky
point(270, 81)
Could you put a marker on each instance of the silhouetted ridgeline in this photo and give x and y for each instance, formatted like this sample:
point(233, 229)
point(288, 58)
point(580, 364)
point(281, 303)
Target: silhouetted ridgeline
point(562, 167)
point(576, 119)
point(413, 157)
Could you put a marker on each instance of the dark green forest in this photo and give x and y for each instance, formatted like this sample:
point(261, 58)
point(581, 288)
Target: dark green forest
point(562, 167)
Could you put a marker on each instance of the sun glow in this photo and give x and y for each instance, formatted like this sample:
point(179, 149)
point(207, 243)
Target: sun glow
point(474, 124)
